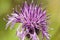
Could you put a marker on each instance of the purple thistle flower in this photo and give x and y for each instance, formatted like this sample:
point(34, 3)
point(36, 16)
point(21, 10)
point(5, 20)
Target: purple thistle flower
point(33, 19)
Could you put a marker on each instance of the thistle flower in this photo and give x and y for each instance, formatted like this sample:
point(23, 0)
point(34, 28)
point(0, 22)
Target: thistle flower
point(33, 20)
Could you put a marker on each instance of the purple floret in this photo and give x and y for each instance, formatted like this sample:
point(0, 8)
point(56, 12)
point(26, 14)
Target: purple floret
point(33, 20)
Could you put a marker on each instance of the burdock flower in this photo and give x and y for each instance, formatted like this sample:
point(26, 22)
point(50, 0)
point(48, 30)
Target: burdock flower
point(33, 19)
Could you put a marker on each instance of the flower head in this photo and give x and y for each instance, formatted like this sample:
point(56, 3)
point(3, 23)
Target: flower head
point(33, 20)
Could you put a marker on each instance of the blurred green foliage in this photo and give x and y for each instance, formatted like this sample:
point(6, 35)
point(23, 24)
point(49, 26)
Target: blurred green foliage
point(53, 8)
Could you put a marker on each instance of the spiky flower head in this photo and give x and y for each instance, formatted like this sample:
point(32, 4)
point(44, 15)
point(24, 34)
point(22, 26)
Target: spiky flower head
point(33, 20)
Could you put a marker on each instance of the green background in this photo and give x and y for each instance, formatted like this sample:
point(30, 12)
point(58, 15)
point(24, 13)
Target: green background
point(53, 9)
